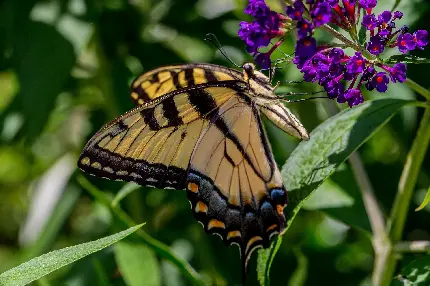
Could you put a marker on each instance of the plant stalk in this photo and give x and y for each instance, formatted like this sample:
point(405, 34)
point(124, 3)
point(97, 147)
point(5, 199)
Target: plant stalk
point(413, 246)
point(397, 219)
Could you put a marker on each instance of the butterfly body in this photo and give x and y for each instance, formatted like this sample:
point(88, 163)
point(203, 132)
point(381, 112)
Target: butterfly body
point(198, 127)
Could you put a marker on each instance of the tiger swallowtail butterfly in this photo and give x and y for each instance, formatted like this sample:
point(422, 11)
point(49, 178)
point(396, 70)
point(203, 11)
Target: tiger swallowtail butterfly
point(197, 127)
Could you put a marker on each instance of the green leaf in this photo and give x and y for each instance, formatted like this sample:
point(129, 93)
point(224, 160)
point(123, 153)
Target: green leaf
point(330, 144)
point(43, 60)
point(138, 264)
point(265, 260)
point(47, 263)
point(362, 35)
point(425, 202)
point(407, 59)
point(416, 273)
point(124, 191)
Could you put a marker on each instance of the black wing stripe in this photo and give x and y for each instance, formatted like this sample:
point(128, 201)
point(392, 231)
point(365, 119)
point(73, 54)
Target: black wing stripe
point(175, 79)
point(149, 118)
point(171, 113)
point(202, 101)
point(189, 77)
point(142, 93)
point(209, 75)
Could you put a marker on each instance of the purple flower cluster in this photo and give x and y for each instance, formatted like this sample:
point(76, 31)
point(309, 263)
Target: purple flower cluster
point(331, 69)
point(341, 75)
point(383, 34)
point(266, 26)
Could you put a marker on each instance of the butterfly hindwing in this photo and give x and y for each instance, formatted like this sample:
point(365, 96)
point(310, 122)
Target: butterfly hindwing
point(160, 81)
point(233, 182)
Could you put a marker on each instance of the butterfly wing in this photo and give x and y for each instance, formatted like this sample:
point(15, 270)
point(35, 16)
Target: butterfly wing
point(209, 140)
point(160, 81)
point(152, 144)
point(233, 182)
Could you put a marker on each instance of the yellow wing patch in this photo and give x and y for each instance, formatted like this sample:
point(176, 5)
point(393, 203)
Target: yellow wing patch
point(161, 81)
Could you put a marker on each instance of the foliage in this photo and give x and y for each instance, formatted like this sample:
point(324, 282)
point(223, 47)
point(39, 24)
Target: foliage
point(65, 70)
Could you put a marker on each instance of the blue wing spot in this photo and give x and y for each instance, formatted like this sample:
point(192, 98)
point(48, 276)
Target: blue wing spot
point(279, 196)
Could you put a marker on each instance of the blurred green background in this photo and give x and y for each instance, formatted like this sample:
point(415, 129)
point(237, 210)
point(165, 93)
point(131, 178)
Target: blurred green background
point(65, 70)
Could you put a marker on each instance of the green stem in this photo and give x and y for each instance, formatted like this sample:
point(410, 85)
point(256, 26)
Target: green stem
point(347, 41)
point(396, 221)
point(418, 88)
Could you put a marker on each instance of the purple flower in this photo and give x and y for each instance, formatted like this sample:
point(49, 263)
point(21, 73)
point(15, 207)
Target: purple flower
point(406, 42)
point(304, 28)
point(336, 55)
point(356, 64)
point(257, 9)
point(321, 14)
point(420, 38)
point(334, 88)
point(295, 12)
point(397, 15)
point(376, 45)
point(384, 18)
point(367, 3)
point(306, 47)
point(368, 73)
point(253, 36)
point(398, 72)
point(333, 3)
point(370, 22)
point(309, 73)
point(353, 96)
point(263, 60)
point(380, 81)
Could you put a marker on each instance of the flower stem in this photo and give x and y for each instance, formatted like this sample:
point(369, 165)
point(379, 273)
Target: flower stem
point(418, 88)
point(396, 221)
point(380, 241)
point(413, 246)
point(347, 41)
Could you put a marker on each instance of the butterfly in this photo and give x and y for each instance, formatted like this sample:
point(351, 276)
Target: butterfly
point(198, 127)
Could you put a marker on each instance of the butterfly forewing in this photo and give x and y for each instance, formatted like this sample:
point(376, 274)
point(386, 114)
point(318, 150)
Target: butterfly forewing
point(163, 80)
point(152, 144)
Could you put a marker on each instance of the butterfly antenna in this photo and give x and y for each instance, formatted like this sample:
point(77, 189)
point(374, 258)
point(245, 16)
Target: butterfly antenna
point(214, 40)
point(288, 94)
point(307, 98)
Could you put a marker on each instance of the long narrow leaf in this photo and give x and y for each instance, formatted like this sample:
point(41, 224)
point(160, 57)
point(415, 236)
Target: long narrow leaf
point(47, 263)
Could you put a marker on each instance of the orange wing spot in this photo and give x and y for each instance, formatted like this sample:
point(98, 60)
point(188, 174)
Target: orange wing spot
point(140, 101)
point(193, 187)
point(272, 185)
point(251, 242)
point(201, 207)
point(273, 226)
point(233, 234)
point(280, 209)
point(214, 223)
